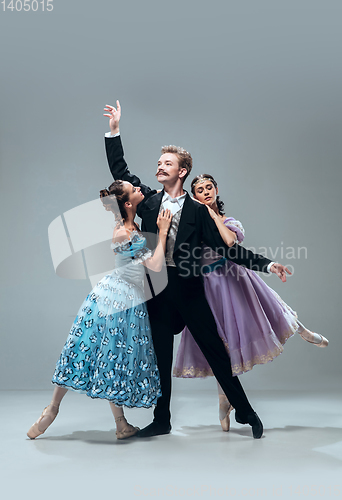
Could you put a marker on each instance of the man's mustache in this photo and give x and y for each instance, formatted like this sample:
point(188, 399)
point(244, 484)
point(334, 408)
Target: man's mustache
point(161, 172)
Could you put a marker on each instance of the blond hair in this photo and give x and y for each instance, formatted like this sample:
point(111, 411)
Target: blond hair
point(184, 157)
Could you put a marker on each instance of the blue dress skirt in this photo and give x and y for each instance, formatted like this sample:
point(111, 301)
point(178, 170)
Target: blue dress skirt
point(109, 351)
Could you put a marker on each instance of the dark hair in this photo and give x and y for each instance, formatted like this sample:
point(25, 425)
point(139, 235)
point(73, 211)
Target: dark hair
point(184, 157)
point(194, 181)
point(114, 197)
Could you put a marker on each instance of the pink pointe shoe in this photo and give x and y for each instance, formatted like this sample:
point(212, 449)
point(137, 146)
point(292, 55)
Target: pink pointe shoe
point(40, 426)
point(126, 432)
point(225, 409)
point(314, 338)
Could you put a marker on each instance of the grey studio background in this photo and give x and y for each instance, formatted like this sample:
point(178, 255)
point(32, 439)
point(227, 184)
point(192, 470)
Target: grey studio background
point(251, 88)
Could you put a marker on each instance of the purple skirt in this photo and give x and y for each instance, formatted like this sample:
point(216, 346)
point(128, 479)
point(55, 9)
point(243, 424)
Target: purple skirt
point(252, 320)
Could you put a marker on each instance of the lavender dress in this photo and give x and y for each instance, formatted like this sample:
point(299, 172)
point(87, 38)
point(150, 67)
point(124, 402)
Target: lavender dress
point(252, 320)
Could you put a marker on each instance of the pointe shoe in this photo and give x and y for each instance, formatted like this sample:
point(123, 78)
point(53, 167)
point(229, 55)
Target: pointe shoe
point(225, 421)
point(36, 429)
point(311, 337)
point(127, 432)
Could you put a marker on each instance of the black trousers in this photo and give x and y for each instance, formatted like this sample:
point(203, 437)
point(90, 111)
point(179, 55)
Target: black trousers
point(183, 303)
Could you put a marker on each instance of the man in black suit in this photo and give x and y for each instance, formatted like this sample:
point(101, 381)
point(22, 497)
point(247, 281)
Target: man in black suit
point(183, 302)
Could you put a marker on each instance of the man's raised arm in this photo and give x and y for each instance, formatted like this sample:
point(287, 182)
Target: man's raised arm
point(115, 153)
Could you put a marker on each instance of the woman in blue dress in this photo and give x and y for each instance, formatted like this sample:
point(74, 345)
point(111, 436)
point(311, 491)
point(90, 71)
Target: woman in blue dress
point(109, 351)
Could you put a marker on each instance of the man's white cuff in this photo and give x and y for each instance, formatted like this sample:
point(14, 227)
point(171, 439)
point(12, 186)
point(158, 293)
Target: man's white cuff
point(109, 135)
point(269, 266)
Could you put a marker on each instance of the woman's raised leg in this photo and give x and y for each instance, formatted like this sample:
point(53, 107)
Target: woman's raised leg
point(312, 337)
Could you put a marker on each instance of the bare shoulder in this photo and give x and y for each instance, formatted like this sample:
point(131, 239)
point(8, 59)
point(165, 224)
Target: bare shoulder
point(119, 235)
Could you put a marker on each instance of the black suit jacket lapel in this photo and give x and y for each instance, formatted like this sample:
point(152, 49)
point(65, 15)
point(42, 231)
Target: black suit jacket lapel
point(150, 211)
point(186, 223)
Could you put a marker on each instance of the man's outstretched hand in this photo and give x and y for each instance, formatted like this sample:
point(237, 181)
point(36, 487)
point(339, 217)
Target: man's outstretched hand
point(280, 271)
point(114, 116)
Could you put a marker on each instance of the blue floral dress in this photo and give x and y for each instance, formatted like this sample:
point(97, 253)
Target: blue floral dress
point(109, 351)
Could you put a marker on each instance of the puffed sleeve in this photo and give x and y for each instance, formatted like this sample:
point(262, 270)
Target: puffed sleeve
point(237, 227)
point(122, 247)
point(135, 249)
point(141, 255)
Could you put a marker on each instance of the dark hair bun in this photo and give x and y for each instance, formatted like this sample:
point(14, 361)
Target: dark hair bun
point(114, 198)
point(104, 192)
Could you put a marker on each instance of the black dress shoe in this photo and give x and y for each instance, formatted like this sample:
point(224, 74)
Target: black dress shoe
point(154, 429)
point(257, 427)
point(254, 421)
point(239, 420)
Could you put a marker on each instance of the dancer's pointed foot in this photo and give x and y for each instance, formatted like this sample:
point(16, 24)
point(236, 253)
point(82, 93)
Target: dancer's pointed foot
point(225, 409)
point(125, 430)
point(44, 421)
point(154, 429)
point(314, 338)
point(254, 421)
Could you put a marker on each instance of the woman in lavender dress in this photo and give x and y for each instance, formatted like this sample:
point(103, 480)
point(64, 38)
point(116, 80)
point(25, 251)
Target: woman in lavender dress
point(252, 320)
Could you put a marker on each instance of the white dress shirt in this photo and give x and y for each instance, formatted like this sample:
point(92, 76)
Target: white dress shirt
point(173, 204)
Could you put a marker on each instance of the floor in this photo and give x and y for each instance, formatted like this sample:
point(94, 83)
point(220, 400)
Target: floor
point(299, 456)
